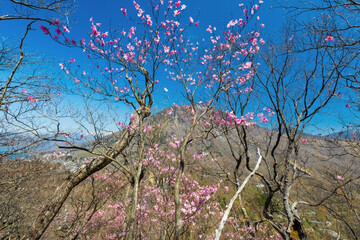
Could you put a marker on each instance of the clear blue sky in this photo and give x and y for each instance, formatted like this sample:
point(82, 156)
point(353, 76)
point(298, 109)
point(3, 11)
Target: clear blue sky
point(208, 12)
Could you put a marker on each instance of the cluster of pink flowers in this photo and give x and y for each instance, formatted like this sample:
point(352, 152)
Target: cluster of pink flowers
point(329, 38)
point(32, 99)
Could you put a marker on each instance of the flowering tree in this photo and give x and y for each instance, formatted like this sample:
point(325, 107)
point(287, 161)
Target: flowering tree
point(26, 82)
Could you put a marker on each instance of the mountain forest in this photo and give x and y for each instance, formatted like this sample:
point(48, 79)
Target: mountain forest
point(158, 119)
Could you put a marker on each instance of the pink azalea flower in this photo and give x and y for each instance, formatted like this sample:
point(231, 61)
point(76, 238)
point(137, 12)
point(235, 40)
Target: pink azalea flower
point(94, 30)
point(66, 29)
point(329, 38)
point(44, 29)
point(247, 65)
point(170, 111)
point(340, 178)
point(137, 6)
point(32, 99)
point(58, 31)
point(132, 117)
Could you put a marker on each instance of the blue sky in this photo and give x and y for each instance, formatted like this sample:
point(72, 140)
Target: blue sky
point(210, 12)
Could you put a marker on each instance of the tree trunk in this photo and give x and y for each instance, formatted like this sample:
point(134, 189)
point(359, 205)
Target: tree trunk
point(233, 199)
point(294, 230)
point(178, 220)
point(130, 218)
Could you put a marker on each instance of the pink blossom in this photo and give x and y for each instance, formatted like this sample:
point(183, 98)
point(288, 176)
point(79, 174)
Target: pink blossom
point(157, 40)
point(149, 21)
point(329, 38)
point(165, 89)
point(58, 31)
point(72, 60)
point(102, 43)
point(32, 99)
point(340, 178)
point(66, 29)
point(124, 11)
point(247, 65)
point(132, 117)
point(56, 22)
point(191, 20)
point(44, 29)
point(137, 6)
point(94, 30)
point(24, 90)
point(348, 105)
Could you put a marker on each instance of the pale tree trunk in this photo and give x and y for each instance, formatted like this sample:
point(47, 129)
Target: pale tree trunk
point(48, 213)
point(178, 220)
point(130, 218)
point(295, 227)
point(233, 199)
